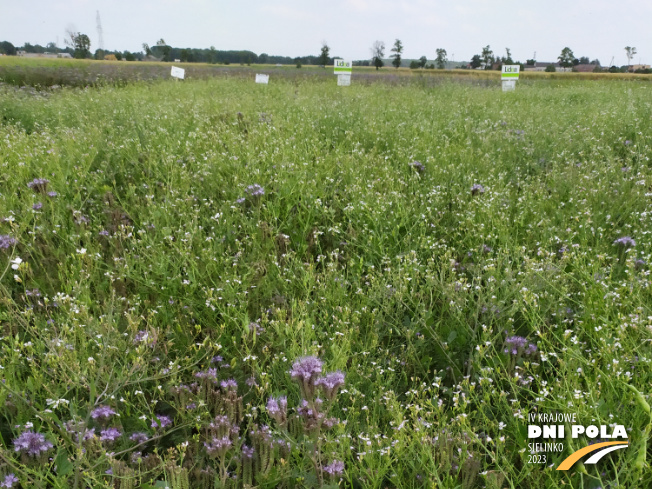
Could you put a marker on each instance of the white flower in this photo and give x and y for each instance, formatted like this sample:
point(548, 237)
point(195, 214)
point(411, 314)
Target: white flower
point(56, 402)
point(81, 251)
point(15, 263)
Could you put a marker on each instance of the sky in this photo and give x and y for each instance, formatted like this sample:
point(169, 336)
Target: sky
point(594, 28)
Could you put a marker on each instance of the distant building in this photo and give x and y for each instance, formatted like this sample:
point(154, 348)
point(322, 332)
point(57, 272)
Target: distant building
point(638, 67)
point(585, 68)
point(542, 67)
point(25, 54)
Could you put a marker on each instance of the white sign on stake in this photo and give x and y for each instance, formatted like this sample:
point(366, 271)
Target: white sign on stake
point(262, 78)
point(509, 85)
point(342, 67)
point(509, 76)
point(178, 73)
point(343, 80)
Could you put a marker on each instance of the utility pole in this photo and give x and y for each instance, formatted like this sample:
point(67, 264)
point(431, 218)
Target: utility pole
point(100, 41)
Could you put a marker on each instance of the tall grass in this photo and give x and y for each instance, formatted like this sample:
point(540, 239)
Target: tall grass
point(217, 229)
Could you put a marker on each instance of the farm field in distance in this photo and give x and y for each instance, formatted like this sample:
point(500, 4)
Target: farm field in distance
point(218, 284)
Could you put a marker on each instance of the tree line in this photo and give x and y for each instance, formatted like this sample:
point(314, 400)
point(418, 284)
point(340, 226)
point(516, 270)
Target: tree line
point(78, 45)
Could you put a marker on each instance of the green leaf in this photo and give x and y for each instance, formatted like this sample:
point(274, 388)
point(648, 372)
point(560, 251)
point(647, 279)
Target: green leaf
point(64, 466)
point(451, 337)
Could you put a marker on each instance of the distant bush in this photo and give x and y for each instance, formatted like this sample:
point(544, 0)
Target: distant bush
point(550, 69)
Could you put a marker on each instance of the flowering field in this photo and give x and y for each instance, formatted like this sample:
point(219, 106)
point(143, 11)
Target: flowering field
point(217, 284)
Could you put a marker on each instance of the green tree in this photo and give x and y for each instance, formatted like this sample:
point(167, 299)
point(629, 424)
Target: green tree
point(146, 49)
point(550, 69)
point(487, 57)
point(423, 61)
point(323, 56)
point(7, 48)
point(377, 53)
point(164, 49)
point(82, 46)
point(397, 50)
point(566, 57)
point(442, 57)
point(630, 52)
point(508, 58)
point(476, 61)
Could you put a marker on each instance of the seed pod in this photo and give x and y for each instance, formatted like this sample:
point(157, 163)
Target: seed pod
point(640, 398)
point(639, 463)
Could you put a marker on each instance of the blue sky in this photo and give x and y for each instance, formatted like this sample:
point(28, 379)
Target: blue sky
point(595, 28)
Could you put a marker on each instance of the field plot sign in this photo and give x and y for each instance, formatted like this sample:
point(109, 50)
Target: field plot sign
point(264, 79)
point(509, 77)
point(343, 69)
point(343, 80)
point(179, 73)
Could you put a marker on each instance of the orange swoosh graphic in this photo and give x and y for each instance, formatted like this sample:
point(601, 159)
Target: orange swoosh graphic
point(574, 457)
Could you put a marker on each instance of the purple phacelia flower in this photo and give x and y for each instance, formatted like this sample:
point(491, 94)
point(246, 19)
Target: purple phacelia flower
point(229, 385)
point(418, 166)
point(330, 422)
point(141, 336)
point(163, 421)
point(639, 264)
point(33, 293)
point(108, 471)
point(255, 190)
point(210, 374)
point(7, 241)
point(334, 468)
point(38, 206)
point(102, 412)
point(218, 446)
point(217, 359)
point(330, 383)
point(477, 189)
point(306, 368)
point(139, 437)
point(39, 185)
point(277, 408)
point(52, 194)
point(247, 452)
point(9, 481)
point(518, 344)
point(625, 242)
point(104, 232)
point(110, 434)
point(31, 443)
